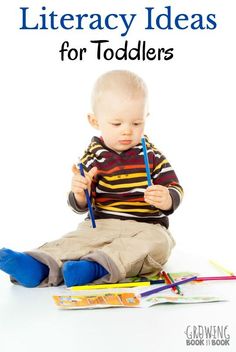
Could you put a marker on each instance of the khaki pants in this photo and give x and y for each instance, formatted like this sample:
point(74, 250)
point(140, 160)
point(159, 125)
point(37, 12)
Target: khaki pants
point(124, 248)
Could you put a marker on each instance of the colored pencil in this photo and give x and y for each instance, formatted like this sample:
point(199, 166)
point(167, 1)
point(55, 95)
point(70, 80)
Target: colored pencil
point(219, 266)
point(172, 281)
point(169, 281)
point(146, 161)
point(118, 285)
point(154, 282)
point(211, 278)
point(166, 287)
point(90, 209)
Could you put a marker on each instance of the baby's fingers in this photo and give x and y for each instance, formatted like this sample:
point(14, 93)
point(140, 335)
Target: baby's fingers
point(79, 186)
point(75, 170)
point(80, 179)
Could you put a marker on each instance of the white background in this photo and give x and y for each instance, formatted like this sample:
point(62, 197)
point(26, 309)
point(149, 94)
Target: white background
point(43, 129)
point(43, 124)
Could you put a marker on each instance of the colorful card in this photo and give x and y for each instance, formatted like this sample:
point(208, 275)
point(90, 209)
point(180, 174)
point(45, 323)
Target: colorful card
point(126, 299)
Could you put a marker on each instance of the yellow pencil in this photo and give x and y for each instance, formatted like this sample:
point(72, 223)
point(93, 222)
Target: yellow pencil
point(219, 266)
point(118, 285)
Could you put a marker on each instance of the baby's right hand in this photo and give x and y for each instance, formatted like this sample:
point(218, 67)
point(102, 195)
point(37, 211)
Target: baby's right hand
point(80, 183)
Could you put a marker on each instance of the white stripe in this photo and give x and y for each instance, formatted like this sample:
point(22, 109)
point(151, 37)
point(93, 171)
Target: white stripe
point(127, 215)
point(137, 147)
point(157, 155)
point(162, 171)
point(148, 151)
point(98, 152)
point(166, 169)
point(88, 163)
point(100, 160)
point(140, 190)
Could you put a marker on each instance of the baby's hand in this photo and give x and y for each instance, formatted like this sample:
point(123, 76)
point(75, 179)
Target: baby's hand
point(159, 196)
point(80, 183)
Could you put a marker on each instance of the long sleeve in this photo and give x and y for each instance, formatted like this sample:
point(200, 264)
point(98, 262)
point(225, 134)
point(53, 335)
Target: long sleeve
point(73, 204)
point(163, 174)
point(88, 161)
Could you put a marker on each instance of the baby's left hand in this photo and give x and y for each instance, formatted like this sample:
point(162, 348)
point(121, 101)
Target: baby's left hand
point(159, 196)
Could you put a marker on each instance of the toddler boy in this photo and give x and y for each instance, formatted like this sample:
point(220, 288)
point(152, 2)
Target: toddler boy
point(131, 236)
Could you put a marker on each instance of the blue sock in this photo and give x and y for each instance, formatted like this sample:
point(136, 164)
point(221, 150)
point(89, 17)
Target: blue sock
point(82, 272)
point(26, 270)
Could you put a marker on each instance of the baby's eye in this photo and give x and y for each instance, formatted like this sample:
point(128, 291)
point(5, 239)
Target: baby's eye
point(116, 124)
point(137, 123)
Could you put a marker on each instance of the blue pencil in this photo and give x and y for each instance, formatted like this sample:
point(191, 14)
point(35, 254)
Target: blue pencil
point(90, 209)
point(166, 287)
point(146, 162)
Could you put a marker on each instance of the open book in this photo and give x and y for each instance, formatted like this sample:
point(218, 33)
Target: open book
point(125, 299)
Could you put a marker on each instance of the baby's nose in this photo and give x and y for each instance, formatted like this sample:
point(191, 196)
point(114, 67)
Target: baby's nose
point(127, 129)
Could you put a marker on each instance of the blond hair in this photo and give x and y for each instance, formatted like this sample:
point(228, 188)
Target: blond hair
point(124, 82)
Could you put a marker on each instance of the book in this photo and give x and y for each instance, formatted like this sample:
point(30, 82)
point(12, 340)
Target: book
point(125, 299)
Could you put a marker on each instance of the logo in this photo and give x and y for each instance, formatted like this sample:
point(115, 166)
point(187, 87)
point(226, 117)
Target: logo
point(207, 335)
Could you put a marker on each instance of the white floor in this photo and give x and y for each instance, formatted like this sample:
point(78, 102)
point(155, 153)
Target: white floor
point(29, 320)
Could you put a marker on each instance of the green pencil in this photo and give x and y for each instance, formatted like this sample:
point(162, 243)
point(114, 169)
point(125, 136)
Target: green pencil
point(177, 287)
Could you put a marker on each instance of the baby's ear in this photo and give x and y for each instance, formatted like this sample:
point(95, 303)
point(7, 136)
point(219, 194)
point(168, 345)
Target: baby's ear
point(93, 121)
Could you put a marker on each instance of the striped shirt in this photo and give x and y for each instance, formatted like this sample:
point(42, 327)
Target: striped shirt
point(118, 190)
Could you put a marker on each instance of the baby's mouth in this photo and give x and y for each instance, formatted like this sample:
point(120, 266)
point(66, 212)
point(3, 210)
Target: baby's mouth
point(125, 142)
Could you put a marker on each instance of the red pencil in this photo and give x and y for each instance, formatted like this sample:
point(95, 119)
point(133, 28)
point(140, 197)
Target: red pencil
point(211, 278)
point(168, 281)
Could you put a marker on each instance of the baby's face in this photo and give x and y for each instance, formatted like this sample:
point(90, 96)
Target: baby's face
point(121, 121)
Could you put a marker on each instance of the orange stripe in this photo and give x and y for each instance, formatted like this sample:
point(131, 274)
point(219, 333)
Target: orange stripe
point(100, 200)
point(127, 167)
